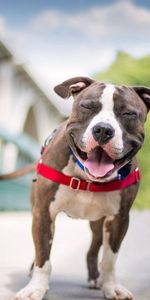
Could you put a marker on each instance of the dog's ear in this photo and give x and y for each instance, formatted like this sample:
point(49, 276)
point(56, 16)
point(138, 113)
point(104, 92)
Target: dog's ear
point(144, 93)
point(72, 86)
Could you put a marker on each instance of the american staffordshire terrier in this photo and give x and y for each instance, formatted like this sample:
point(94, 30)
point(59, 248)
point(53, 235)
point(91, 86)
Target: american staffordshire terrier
point(95, 150)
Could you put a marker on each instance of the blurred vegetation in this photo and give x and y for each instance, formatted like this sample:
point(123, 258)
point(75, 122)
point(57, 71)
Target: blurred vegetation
point(130, 71)
point(127, 70)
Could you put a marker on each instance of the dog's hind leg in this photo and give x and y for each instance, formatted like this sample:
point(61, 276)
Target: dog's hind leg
point(92, 255)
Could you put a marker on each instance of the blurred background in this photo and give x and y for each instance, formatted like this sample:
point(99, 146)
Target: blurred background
point(45, 42)
point(42, 43)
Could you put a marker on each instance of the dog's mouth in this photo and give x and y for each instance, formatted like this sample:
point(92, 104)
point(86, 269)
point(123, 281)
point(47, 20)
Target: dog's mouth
point(99, 164)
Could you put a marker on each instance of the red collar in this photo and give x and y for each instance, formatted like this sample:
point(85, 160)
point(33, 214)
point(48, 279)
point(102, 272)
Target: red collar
point(78, 184)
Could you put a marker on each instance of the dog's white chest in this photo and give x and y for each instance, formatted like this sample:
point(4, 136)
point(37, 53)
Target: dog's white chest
point(85, 205)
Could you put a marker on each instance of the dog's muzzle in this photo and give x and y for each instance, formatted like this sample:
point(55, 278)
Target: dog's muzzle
point(103, 132)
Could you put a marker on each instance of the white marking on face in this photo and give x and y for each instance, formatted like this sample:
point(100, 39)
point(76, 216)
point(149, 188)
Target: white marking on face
point(83, 204)
point(38, 284)
point(115, 146)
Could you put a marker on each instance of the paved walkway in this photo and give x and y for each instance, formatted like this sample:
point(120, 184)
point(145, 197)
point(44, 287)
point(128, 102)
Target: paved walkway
point(68, 280)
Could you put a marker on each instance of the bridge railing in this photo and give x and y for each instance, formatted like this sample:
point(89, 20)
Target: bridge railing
point(16, 151)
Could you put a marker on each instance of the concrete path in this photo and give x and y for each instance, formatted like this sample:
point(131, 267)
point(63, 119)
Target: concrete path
point(68, 279)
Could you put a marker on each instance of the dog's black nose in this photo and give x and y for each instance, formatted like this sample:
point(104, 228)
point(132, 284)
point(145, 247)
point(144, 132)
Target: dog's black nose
point(103, 132)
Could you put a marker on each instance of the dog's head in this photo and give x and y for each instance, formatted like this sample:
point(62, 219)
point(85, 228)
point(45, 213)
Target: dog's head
point(106, 126)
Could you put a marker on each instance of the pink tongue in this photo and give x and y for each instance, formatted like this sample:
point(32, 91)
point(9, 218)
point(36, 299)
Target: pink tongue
point(99, 163)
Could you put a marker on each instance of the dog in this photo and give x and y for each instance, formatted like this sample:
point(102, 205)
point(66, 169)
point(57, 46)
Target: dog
point(88, 169)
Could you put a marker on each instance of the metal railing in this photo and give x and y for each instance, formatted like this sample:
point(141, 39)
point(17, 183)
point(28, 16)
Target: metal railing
point(16, 151)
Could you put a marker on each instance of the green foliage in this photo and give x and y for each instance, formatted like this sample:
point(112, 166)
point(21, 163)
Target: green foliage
point(127, 70)
point(143, 198)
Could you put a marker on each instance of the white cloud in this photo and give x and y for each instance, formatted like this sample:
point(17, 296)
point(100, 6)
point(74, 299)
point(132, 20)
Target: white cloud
point(54, 56)
point(3, 28)
point(120, 18)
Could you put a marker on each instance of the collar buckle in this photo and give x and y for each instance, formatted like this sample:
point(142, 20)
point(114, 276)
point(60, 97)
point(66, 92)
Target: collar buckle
point(137, 177)
point(88, 185)
point(75, 183)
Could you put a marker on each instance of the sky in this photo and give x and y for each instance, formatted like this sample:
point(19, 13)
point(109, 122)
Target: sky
point(57, 39)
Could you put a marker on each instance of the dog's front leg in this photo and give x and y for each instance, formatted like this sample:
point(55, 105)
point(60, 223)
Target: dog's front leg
point(114, 230)
point(92, 255)
point(43, 231)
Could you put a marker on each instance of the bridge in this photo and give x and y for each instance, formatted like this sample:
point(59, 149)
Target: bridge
point(16, 151)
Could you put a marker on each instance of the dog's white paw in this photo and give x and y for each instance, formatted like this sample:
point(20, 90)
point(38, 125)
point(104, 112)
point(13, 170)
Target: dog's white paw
point(116, 292)
point(94, 283)
point(31, 292)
